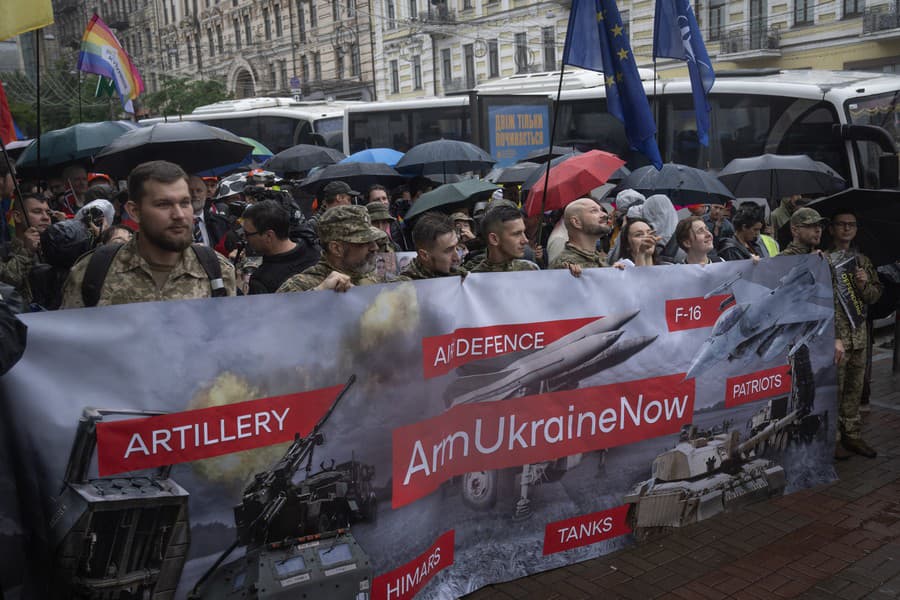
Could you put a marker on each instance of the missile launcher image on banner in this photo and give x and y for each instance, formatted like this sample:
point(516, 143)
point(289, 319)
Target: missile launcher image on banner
point(297, 535)
point(561, 365)
point(125, 537)
point(705, 474)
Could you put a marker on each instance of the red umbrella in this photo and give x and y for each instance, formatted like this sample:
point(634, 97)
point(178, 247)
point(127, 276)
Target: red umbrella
point(571, 179)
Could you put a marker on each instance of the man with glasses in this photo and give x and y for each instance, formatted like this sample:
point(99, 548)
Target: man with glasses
point(866, 287)
point(586, 224)
point(349, 242)
point(266, 227)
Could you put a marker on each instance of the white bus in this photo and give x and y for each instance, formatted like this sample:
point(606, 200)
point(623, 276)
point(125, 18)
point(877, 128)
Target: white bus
point(277, 123)
point(825, 114)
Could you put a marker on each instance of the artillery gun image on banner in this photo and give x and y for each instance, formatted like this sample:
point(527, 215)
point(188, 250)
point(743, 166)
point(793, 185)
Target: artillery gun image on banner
point(119, 538)
point(705, 474)
point(562, 365)
point(297, 535)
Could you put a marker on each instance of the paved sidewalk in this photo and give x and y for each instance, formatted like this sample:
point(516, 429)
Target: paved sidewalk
point(841, 540)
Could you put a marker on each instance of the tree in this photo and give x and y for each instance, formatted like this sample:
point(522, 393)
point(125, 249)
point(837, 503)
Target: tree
point(179, 95)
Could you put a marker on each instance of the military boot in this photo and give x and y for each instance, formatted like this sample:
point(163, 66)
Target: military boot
point(858, 446)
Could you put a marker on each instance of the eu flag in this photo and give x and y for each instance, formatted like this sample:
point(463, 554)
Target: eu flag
point(596, 40)
point(676, 35)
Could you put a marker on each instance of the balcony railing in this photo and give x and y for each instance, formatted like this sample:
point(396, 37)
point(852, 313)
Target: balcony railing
point(880, 18)
point(750, 39)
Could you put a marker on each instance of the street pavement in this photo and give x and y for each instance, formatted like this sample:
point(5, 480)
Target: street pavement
point(840, 540)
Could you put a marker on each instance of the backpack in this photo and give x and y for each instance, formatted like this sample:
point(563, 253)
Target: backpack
point(102, 257)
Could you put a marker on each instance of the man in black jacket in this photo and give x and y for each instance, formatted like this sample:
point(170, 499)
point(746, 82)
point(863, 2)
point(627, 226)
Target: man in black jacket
point(266, 227)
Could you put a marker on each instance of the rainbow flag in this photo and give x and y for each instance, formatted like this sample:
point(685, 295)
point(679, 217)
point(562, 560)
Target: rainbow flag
point(102, 54)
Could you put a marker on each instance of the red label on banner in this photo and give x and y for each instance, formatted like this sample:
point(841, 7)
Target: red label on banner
point(693, 313)
point(135, 444)
point(758, 385)
point(586, 529)
point(443, 353)
point(507, 433)
point(405, 581)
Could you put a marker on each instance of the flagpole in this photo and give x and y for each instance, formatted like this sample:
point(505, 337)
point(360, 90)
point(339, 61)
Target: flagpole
point(562, 71)
point(18, 192)
point(37, 93)
point(80, 118)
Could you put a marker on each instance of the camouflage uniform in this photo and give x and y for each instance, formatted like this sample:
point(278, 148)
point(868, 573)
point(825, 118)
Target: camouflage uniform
point(779, 217)
point(414, 271)
point(340, 223)
point(794, 249)
point(130, 279)
point(516, 264)
point(16, 269)
point(380, 212)
point(573, 255)
point(852, 370)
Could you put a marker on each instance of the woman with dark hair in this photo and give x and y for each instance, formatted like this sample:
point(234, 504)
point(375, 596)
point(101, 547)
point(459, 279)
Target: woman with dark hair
point(748, 223)
point(638, 243)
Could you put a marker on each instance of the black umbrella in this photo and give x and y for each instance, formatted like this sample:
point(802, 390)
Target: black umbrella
point(444, 156)
point(193, 145)
point(774, 176)
point(451, 196)
point(303, 157)
point(540, 155)
point(878, 216)
point(516, 173)
point(358, 175)
point(682, 184)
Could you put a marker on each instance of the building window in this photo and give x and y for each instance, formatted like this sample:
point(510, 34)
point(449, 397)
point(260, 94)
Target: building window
point(521, 53)
point(165, 14)
point(190, 49)
point(219, 41)
point(548, 40)
point(626, 22)
point(209, 36)
point(803, 12)
point(446, 66)
point(395, 77)
point(301, 21)
point(267, 25)
point(237, 34)
point(493, 59)
point(336, 10)
point(304, 68)
point(272, 76)
point(467, 4)
point(248, 33)
point(391, 14)
point(278, 30)
point(854, 8)
point(354, 60)
point(351, 8)
point(716, 20)
point(339, 62)
point(469, 64)
point(417, 72)
point(413, 10)
point(313, 15)
point(284, 75)
point(317, 66)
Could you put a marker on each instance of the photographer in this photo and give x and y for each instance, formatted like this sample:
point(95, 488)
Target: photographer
point(266, 227)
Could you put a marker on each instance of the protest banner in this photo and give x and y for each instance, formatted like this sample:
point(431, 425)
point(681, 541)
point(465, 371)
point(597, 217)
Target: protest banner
point(414, 439)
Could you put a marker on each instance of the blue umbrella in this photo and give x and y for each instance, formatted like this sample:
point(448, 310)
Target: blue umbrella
point(375, 155)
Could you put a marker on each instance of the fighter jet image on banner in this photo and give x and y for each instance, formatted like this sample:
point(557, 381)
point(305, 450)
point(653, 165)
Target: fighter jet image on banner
point(561, 365)
point(765, 322)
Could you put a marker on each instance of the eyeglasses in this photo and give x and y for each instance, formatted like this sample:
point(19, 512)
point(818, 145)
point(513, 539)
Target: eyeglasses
point(845, 224)
point(251, 233)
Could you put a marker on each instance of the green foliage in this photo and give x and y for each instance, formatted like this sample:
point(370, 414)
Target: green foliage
point(180, 95)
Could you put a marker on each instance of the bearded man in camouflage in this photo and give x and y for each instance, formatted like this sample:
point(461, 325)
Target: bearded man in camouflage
point(586, 223)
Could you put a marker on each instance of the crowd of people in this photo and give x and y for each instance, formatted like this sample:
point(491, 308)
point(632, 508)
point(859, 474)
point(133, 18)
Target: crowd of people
point(170, 235)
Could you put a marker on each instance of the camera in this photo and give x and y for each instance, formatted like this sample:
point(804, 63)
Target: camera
point(93, 215)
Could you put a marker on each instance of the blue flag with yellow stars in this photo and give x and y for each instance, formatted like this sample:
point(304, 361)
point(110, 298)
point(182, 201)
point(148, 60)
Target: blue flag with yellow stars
point(676, 35)
point(596, 40)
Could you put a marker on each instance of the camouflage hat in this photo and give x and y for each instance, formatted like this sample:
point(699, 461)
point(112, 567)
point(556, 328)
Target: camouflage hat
point(807, 216)
point(348, 224)
point(378, 211)
point(461, 216)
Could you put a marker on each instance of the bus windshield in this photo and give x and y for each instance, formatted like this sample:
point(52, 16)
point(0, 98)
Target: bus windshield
point(882, 110)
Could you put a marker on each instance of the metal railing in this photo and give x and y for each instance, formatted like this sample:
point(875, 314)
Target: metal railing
point(749, 39)
point(880, 18)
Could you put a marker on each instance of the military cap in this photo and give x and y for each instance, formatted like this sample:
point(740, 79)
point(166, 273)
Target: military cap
point(378, 211)
point(807, 216)
point(333, 188)
point(461, 216)
point(348, 224)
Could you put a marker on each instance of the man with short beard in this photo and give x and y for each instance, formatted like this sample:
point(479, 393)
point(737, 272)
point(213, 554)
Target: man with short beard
point(349, 244)
point(586, 223)
point(159, 262)
point(436, 255)
point(503, 229)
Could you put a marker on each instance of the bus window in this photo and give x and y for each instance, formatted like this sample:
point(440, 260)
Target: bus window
point(384, 129)
point(884, 111)
point(247, 127)
point(278, 132)
point(677, 131)
point(586, 125)
point(810, 133)
point(330, 131)
point(451, 122)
